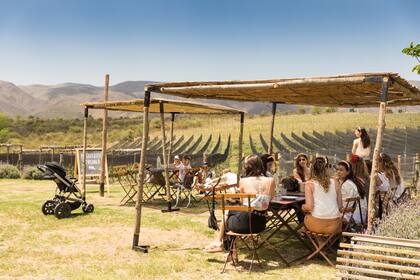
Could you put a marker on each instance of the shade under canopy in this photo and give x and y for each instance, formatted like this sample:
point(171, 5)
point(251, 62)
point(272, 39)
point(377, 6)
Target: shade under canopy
point(355, 90)
point(171, 106)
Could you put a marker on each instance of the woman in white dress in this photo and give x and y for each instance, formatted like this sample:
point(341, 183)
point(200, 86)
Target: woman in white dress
point(361, 145)
point(388, 178)
point(351, 186)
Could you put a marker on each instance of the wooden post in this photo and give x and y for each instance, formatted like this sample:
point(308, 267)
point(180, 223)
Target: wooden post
point(84, 149)
point(417, 167)
point(241, 137)
point(7, 155)
point(399, 163)
point(165, 160)
point(104, 140)
point(142, 164)
point(172, 137)
point(273, 118)
point(61, 158)
point(52, 154)
point(376, 153)
point(20, 158)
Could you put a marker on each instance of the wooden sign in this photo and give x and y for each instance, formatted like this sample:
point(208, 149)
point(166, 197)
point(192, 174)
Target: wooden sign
point(93, 166)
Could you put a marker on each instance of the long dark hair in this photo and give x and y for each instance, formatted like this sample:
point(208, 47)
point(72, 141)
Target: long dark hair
point(299, 168)
point(389, 168)
point(364, 137)
point(253, 166)
point(319, 172)
point(266, 158)
point(359, 184)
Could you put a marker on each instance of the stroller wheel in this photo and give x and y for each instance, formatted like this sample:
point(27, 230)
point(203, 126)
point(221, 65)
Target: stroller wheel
point(62, 210)
point(88, 208)
point(48, 207)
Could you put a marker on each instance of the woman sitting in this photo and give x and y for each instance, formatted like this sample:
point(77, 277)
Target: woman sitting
point(322, 200)
point(388, 178)
point(268, 164)
point(254, 183)
point(352, 187)
point(302, 172)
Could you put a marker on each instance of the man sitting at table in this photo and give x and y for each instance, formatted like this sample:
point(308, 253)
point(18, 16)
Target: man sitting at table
point(238, 221)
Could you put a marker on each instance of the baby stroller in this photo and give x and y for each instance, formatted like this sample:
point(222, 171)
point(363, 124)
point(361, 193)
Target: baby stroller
point(68, 196)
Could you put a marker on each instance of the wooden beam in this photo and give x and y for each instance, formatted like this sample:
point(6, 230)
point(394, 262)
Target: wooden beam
point(141, 177)
point(273, 118)
point(240, 143)
point(104, 139)
point(86, 115)
point(376, 154)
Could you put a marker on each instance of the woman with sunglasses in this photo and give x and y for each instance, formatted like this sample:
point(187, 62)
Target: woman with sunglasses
point(361, 145)
point(302, 172)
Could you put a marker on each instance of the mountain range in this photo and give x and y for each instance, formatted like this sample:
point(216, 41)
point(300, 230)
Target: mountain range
point(63, 100)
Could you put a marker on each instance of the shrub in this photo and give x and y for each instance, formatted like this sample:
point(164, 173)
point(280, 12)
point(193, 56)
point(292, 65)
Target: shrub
point(32, 172)
point(331, 110)
point(402, 222)
point(9, 171)
point(315, 110)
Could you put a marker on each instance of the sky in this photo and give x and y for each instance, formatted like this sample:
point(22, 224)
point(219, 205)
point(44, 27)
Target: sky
point(52, 42)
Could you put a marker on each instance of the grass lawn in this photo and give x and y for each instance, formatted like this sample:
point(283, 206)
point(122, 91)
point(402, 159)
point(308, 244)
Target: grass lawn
point(98, 245)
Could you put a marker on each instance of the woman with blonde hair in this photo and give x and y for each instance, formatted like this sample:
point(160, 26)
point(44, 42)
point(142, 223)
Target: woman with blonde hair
point(388, 177)
point(322, 200)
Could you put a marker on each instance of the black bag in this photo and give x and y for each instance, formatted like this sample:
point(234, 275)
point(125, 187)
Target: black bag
point(212, 221)
point(291, 184)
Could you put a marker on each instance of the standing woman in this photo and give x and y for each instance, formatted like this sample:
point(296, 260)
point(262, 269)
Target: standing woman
point(302, 172)
point(322, 200)
point(361, 145)
point(389, 178)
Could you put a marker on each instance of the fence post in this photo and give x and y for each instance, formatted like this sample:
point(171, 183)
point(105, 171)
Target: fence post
point(417, 167)
point(399, 163)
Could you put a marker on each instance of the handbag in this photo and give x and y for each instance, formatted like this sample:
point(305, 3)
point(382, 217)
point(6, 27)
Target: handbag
point(212, 221)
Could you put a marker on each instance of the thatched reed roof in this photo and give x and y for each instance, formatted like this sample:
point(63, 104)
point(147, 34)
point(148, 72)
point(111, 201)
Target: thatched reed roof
point(355, 90)
point(170, 106)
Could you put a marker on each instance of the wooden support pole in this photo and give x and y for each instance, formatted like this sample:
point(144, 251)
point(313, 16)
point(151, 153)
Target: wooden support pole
point(8, 154)
point(20, 158)
point(172, 137)
point(52, 154)
point(84, 149)
point(104, 141)
point(273, 118)
point(399, 163)
point(141, 176)
point(240, 143)
point(376, 154)
point(61, 158)
point(165, 160)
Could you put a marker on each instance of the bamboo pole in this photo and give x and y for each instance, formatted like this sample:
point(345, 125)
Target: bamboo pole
point(273, 118)
point(240, 143)
point(376, 153)
point(84, 149)
point(172, 137)
point(142, 164)
point(104, 140)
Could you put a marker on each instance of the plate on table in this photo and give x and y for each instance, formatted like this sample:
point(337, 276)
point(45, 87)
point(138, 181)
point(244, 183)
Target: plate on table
point(289, 197)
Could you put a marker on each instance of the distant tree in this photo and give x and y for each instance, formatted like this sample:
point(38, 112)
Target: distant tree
point(414, 51)
point(331, 110)
point(315, 110)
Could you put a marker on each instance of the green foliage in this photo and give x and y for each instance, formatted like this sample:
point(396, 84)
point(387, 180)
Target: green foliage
point(4, 135)
point(8, 171)
point(414, 51)
point(331, 110)
point(31, 172)
point(315, 110)
point(403, 222)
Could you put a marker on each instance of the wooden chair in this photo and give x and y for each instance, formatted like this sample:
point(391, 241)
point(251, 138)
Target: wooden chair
point(185, 188)
point(250, 240)
point(378, 257)
point(323, 242)
point(124, 178)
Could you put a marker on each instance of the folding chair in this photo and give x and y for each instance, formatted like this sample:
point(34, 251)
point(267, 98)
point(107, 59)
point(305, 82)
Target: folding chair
point(124, 179)
point(186, 188)
point(323, 242)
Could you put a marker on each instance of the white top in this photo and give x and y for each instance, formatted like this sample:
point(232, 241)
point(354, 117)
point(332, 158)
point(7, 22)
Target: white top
point(348, 190)
point(360, 151)
point(386, 184)
point(325, 203)
point(262, 187)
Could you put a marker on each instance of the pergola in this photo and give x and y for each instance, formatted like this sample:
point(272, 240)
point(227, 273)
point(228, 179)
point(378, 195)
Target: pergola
point(161, 106)
point(354, 90)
